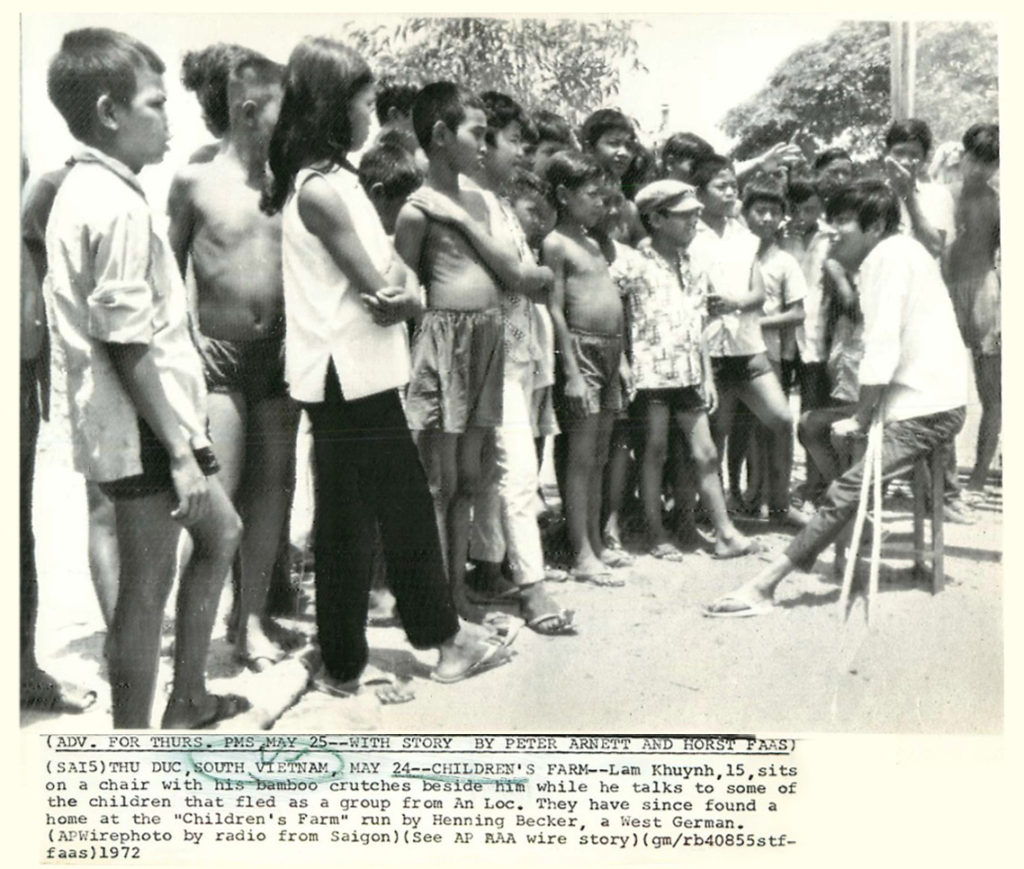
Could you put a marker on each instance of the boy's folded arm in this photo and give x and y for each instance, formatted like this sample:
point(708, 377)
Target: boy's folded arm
point(502, 259)
point(325, 215)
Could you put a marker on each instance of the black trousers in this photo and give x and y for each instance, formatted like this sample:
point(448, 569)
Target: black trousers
point(367, 472)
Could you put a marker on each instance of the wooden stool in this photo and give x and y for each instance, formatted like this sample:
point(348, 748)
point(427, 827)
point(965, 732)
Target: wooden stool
point(928, 481)
point(930, 478)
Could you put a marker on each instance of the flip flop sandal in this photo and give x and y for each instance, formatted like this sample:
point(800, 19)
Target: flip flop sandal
point(225, 706)
point(555, 574)
point(602, 579)
point(554, 624)
point(495, 656)
point(746, 611)
point(617, 558)
point(754, 547)
point(666, 552)
point(388, 689)
point(506, 627)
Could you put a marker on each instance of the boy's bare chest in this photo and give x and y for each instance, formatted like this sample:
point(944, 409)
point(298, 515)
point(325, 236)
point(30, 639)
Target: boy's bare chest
point(231, 211)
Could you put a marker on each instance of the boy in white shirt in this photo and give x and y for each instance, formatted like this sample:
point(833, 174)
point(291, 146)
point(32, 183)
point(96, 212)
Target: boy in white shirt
point(914, 371)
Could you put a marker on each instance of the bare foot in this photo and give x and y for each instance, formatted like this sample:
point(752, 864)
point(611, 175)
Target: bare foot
point(466, 655)
point(387, 688)
point(734, 547)
point(41, 692)
point(204, 711)
point(255, 649)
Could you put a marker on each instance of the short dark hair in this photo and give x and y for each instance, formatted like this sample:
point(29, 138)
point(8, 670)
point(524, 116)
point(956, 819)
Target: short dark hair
point(829, 156)
point(92, 62)
point(870, 200)
point(205, 72)
point(552, 127)
point(391, 166)
point(910, 130)
point(764, 189)
point(571, 170)
point(981, 141)
point(399, 138)
point(502, 111)
point(604, 121)
point(799, 190)
point(524, 184)
point(707, 167)
point(681, 147)
point(252, 72)
point(394, 95)
point(442, 101)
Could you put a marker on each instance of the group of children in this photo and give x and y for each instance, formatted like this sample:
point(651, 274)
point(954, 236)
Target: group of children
point(481, 280)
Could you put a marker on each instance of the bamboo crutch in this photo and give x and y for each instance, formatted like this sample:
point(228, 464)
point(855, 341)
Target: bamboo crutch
point(872, 478)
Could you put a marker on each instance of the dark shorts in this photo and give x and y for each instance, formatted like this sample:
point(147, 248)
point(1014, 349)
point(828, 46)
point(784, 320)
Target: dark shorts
point(598, 358)
point(458, 371)
point(156, 468)
point(735, 371)
point(253, 368)
point(681, 399)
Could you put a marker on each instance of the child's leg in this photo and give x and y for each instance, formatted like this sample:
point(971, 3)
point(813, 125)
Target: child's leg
point(438, 452)
point(697, 431)
point(226, 413)
point(580, 470)
point(619, 468)
point(147, 539)
point(721, 422)
point(215, 539)
point(987, 377)
point(815, 432)
point(104, 563)
point(602, 446)
point(265, 499)
point(739, 453)
point(765, 398)
point(656, 419)
point(487, 541)
point(469, 452)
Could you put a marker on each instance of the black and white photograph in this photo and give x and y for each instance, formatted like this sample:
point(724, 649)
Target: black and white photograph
point(327, 428)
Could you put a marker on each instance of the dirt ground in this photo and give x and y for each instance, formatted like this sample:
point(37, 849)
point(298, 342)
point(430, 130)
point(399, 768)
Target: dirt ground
point(645, 660)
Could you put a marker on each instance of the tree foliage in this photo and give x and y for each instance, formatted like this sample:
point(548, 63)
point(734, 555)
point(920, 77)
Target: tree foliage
point(837, 90)
point(567, 66)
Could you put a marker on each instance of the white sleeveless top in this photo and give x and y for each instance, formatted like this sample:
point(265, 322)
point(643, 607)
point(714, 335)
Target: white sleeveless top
point(324, 316)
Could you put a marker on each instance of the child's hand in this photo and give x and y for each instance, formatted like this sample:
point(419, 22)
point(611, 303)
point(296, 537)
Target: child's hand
point(391, 305)
point(710, 395)
point(576, 395)
point(901, 178)
point(438, 206)
point(192, 489)
point(719, 305)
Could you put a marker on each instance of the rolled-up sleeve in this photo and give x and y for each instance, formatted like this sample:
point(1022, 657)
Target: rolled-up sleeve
point(884, 280)
point(121, 305)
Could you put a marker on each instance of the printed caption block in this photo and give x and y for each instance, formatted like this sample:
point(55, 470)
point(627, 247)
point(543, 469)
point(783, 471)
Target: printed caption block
point(161, 797)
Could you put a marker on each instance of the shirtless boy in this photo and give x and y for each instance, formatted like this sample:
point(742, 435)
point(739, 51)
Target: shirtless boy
point(236, 257)
point(588, 320)
point(443, 234)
